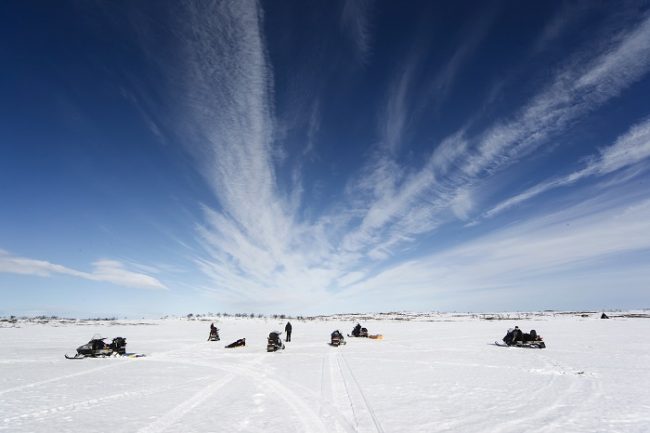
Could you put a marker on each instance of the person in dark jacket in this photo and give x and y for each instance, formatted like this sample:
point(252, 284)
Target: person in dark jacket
point(287, 329)
point(513, 336)
point(214, 333)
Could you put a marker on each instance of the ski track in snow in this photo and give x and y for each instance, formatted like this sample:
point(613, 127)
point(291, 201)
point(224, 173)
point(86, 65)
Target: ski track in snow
point(59, 378)
point(366, 404)
point(91, 403)
point(175, 415)
point(82, 373)
point(326, 399)
point(309, 419)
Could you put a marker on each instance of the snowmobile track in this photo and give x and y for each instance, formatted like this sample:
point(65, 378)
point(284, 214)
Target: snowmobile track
point(369, 409)
point(177, 413)
point(328, 409)
point(89, 404)
point(309, 419)
point(347, 392)
point(87, 371)
point(58, 378)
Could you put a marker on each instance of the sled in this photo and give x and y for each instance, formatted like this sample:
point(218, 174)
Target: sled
point(235, 344)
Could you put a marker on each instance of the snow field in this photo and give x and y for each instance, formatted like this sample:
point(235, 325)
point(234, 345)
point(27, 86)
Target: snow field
point(443, 376)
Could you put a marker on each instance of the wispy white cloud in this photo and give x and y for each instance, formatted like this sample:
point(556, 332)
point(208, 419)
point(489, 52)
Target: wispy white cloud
point(355, 19)
point(629, 149)
point(258, 245)
point(419, 201)
point(109, 271)
point(255, 247)
point(523, 255)
point(567, 15)
point(574, 92)
point(408, 98)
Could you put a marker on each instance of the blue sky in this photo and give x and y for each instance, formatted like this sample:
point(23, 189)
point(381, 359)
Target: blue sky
point(314, 157)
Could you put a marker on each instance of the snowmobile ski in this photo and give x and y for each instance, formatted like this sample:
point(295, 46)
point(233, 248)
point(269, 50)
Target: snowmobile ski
point(77, 356)
point(527, 345)
point(115, 355)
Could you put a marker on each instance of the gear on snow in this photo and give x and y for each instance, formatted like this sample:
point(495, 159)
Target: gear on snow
point(359, 331)
point(239, 343)
point(516, 338)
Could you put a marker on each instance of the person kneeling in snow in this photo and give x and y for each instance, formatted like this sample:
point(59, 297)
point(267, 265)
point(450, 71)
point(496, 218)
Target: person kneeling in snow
point(513, 335)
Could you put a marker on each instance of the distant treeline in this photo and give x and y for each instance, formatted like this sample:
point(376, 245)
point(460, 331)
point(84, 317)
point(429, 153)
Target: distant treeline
point(208, 316)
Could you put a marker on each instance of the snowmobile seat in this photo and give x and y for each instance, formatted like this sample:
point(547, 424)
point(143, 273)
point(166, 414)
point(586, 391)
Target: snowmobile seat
point(98, 344)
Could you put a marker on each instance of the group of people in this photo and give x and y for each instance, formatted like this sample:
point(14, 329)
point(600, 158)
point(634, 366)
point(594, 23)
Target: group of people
point(274, 341)
point(514, 337)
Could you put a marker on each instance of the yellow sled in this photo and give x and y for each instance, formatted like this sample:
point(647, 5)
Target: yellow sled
point(376, 337)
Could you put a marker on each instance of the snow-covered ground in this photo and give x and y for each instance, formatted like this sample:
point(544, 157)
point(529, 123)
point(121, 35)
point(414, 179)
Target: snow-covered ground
point(425, 376)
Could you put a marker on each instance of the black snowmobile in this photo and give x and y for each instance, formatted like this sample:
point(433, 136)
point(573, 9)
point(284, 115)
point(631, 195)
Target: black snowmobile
point(336, 339)
point(214, 333)
point(274, 342)
point(358, 331)
point(98, 348)
point(516, 338)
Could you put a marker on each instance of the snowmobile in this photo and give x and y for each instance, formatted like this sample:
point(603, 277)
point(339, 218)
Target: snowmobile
point(214, 334)
point(516, 338)
point(337, 339)
point(358, 331)
point(97, 348)
point(274, 342)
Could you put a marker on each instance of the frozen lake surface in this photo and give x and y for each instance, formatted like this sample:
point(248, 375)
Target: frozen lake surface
point(424, 376)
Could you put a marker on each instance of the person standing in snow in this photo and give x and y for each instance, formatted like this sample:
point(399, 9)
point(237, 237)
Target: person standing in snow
point(287, 329)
